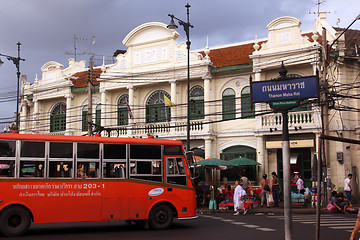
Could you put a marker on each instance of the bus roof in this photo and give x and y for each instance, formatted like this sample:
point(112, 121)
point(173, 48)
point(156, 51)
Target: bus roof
point(97, 138)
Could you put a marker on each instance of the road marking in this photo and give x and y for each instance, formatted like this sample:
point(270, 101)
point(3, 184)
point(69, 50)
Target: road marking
point(227, 220)
point(238, 223)
point(343, 227)
point(266, 229)
point(251, 226)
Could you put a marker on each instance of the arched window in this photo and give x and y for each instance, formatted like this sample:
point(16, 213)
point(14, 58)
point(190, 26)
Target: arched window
point(247, 111)
point(228, 104)
point(84, 115)
point(98, 115)
point(58, 118)
point(156, 111)
point(197, 102)
point(122, 110)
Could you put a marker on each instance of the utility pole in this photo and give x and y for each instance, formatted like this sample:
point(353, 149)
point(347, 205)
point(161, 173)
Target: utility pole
point(89, 116)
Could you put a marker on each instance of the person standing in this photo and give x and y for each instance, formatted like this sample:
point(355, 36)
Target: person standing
point(245, 181)
point(238, 194)
point(275, 189)
point(265, 191)
point(347, 188)
point(300, 184)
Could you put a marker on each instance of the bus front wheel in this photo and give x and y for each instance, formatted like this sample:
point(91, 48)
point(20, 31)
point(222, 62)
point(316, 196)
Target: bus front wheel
point(15, 221)
point(161, 217)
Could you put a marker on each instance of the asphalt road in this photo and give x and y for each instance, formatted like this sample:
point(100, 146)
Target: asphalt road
point(207, 227)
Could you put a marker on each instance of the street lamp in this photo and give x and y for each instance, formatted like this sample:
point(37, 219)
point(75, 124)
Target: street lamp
point(16, 61)
point(186, 25)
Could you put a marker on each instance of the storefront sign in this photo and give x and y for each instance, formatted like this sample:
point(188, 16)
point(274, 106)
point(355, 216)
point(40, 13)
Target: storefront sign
point(293, 144)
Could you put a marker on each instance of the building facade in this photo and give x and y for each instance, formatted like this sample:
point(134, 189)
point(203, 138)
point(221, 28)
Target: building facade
point(129, 97)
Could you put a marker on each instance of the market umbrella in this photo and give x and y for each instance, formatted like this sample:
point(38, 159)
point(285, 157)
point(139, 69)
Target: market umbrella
point(213, 162)
point(244, 162)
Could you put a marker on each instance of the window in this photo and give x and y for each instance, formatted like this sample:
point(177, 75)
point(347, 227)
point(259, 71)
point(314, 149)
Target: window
point(228, 104)
point(156, 111)
point(60, 159)
point(88, 160)
point(123, 112)
point(58, 118)
point(84, 115)
point(247, 109)
point(114, 161)
point(176, 173)
point(145, 162)
point(196, 102)
point(7, 158)
point(32, 159)
point(98, 115)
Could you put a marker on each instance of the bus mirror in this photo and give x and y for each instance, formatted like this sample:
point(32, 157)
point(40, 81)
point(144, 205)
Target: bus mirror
point(190, 158)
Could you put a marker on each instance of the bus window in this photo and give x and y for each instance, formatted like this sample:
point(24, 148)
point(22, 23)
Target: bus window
point(7, 168)
point(61, 150)
point(145, 151)
point(176, 173)
point(60, 169)
point(156, 167)
point(87, 170)
point(7, 148)
point(32, 149)
point(114, 170)
point(7, 158)
point(172, 150)
point(114, 151)
point(32, 168)
point(88, 150)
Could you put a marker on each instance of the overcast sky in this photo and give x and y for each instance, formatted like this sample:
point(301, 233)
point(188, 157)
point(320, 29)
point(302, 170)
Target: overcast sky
point(46, 28)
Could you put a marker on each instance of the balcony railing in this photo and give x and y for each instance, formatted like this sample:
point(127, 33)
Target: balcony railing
point(302, 118)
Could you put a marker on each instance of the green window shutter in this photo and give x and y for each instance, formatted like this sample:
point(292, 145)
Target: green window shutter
point(197, 103)
point(247, 110)
point(228, 104)
point(84, 122)
point(58, 118)
point(123, 112)
point(156, 111)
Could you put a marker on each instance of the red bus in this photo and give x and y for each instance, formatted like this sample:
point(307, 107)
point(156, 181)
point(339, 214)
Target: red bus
point(49, 178)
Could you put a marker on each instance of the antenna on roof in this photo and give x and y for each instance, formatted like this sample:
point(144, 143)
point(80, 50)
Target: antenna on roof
point(318, 3)
point(75, 53)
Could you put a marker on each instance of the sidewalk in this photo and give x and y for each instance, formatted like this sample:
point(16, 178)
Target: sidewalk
point(268, 211)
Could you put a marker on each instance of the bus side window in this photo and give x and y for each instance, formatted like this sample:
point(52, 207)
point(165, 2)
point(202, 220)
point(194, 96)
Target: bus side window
point(7, 158)
point(87, 170)
point(32, 159)
point(60, 159)
point(114, 170)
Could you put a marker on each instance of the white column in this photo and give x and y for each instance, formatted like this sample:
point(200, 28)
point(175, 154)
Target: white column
point(208, 148)
point(131, 102)
point(207, 90)
point(23, 117)
point(261, 157)
point(173, 99)
point(69, 117)
point(35, 115)
point(104, 113)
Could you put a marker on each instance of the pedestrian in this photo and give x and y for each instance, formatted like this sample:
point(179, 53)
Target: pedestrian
point(245, 181)
point(265, 191)
point(347, 188)
point(275, 189)
point(238, 195)
point(356, 227)
point(300, 184)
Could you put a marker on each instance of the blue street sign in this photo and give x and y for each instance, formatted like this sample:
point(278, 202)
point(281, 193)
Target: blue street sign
point(274, 90)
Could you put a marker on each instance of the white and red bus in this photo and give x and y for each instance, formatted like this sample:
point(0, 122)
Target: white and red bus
point(48, 178)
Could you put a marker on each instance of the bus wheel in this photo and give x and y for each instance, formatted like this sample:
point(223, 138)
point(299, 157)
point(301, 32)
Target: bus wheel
point(161, 217)
point(15, 221)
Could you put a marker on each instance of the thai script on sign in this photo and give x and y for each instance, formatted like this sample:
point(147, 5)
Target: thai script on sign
point(283, 87)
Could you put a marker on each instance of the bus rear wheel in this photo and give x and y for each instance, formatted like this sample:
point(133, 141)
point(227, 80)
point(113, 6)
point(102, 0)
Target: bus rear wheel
point(14, 221)
point(161, 217)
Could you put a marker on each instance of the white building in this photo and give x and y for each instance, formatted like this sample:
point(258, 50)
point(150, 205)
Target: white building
point(223, 123)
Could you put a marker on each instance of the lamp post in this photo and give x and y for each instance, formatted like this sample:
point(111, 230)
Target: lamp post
point(186, 26)
point(16, 61)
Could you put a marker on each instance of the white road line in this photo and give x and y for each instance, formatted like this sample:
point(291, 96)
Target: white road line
point(238, 223)
point(227, 220)
point(266, 229)
point(336, 224)
point(251, 226)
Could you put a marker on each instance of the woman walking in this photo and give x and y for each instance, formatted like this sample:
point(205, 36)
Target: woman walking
point(265, 191)
point(275, 189)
